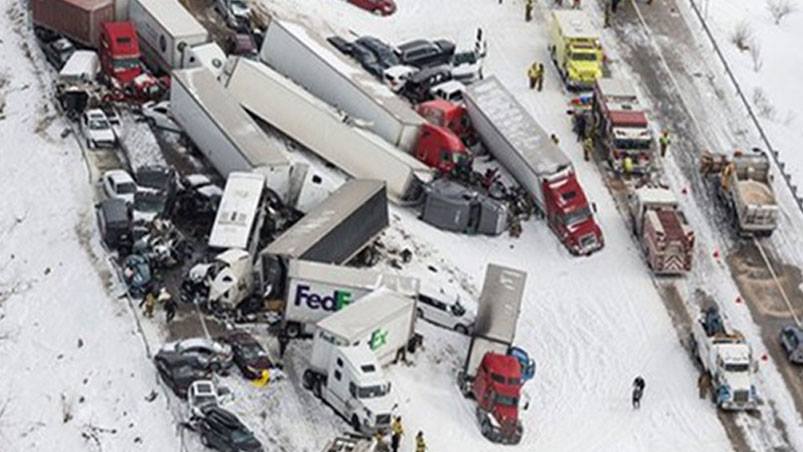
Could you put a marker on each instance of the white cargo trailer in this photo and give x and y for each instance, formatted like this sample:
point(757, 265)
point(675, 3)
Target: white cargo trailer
point(240, 214)
point(223, 131)
point(315, 290)
point(286, 106)
point(167, 32)
point(307, 59)
point(383, 320)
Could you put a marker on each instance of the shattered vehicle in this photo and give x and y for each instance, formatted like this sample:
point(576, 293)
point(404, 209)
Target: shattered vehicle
point(180, 371)
point(137, 274)
point(215, 355)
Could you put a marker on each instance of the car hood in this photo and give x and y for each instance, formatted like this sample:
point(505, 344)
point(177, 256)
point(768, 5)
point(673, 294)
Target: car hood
point(101, 135)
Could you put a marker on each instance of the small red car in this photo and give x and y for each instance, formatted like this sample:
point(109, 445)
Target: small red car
point(380, 7)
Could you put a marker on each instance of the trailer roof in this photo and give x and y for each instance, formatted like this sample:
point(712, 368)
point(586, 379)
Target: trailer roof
point(323, 218)
point(517, 127)
point(355, 319)
point(350, 276)
point(656, 195)
point(232, 120)
point(237, 211)
point(392, 103)
point(575, 23)
point(89, 5)
point(500, 303)
point(173, 17)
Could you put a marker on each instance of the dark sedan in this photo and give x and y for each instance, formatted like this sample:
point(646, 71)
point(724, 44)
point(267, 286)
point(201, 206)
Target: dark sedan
point(222, 430)
point(249, 356)
point(180, 371)
point(385, 57)
point(422, 53)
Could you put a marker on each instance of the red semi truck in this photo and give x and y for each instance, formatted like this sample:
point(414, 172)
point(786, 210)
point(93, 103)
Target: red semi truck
point(519, 143)
point(452, 116)
point(119, 51)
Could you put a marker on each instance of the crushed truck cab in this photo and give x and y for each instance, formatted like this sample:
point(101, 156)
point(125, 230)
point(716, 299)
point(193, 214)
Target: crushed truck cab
point(575, 48)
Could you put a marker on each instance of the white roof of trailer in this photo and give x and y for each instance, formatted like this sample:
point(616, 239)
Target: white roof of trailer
point(237, 211)
point(357, 318)
point(173, 16)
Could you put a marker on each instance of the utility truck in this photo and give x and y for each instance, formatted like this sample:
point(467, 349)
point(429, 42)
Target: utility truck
point(519, 143)
point(286, 106)
point(744, 185)
point(575, 48)
point(312, 62)
point(622, 126)
point(167, 33)
point(727, 358)
point(315, 290)
point(493, 372)
point(223, 131)
point(660, 225)
point(348, 351)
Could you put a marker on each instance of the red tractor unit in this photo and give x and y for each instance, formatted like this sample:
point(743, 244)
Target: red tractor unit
point(441, 149)
point(452, 116)
point(495, 371)
point(119, 51)
point(622, 126)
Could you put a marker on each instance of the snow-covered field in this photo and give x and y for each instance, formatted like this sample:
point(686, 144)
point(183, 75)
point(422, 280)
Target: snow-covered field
point(75, 373)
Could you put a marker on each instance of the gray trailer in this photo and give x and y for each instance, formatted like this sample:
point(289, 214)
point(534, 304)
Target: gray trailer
point(224, 133)
point(309, 60)
point(333, 232)
point(280, 102)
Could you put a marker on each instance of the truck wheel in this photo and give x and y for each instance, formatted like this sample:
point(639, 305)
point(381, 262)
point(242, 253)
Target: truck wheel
point(419, 313)
point(307, 380)
point(460, 328)
point(485, 428)
point(292, 330)
point(317, 388)
point(355, 423)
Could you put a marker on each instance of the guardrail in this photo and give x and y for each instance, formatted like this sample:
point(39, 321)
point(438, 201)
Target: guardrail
point(772, 151)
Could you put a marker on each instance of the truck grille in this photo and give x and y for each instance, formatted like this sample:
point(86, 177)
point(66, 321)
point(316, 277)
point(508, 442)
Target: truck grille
point(741, 396)
point(587, 241)
point(382, 420)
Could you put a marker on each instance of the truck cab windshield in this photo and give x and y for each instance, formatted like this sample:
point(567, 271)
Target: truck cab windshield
point(632, 144)
point(583, 56)
point(124, 64)
point(369, 392)
point(741, 367)
point(506, 400)
point(576, 216)
point(464, 58)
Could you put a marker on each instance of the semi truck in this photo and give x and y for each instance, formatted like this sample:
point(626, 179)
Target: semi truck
point(240, 214)
point(223, 132)
point(622, 126)
point(491, 374)
point(119, 51)
point(167, 33)
point(78, 20)
point(314, 290)
point(662, 229)
point(744, 186)
point(519, 143)
point(575, 48)
point(286, 106)
point(310, 61)
point(727, 358)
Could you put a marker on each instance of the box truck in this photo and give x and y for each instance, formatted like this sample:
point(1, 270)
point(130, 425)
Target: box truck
point(523, 148)
point(223, 132)
point(314, 290)
point(310, 61)
point(167, 33)
point(79, 20)
point(315, 125)
point(240, 214)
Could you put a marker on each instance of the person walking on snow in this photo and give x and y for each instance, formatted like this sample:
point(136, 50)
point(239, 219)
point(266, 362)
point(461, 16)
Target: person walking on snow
point(420, 444)
point(150, 302)
point(528, 10)
point(638, 391)
point(554, 139)
point(588, 148)
point(396, 432)
point(168, 302)
point(703, 383)
point(580, 125)
point(664, 141)
point(536, 76)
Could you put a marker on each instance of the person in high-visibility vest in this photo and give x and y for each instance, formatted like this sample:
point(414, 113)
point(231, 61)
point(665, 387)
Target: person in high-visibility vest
point(396, 432)
point(627, 166)
point(664, 141)
point(588, 148)
point(536, 75)
point(420, 444)
point(263, 380)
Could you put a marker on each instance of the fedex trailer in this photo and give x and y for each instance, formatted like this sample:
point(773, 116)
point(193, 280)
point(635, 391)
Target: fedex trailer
point(315, 290)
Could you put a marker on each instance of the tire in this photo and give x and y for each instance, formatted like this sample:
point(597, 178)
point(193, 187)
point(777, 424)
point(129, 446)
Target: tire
point(317, 388)
point(89, 144)
point(420, 313)
point(292, 330)
point(460, 328)
point(355, 423)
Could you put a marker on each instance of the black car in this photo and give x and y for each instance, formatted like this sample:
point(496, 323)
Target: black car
point(422, 53)
point(221, 430)
point(367, 59)
point(158, 181)
point(416, 88)
point(340, 44)
point(57, 52)
point(180, 371)
point(115, 222)
point(383, 52)
point(249, 356)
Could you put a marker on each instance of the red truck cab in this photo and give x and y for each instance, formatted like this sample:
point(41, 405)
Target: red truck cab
point(452, 116)
point(569, 215)
point(497, 389)
point(439, 148)
point(119, 51)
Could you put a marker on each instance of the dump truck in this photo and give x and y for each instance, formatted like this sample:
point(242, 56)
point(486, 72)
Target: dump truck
point(658, 222)
point(315, 290)
point(310, 61)
point(79, 20)
point(744, 186)
point(223, 132)
point(575, 48)
point(492, 374)
point(524, 149)
point(281, 103)
point(622, 126)
point(727, 358)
